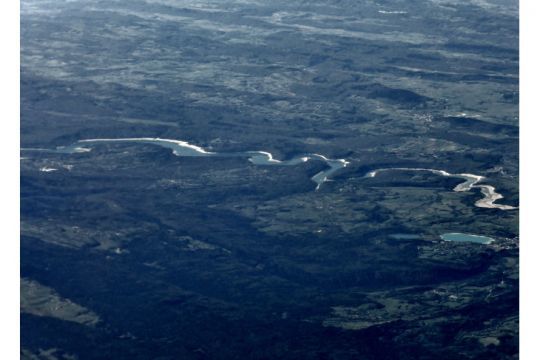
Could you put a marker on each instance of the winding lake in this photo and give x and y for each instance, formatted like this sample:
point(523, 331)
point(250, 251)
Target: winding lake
point(183, 148)
point(471, 182)
point(263, 158)
point(460, 237)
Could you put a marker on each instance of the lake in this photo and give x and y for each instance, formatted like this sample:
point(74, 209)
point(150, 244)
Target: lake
point(459, 237)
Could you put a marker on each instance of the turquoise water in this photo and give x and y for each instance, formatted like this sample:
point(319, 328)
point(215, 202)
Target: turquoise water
point(459, 237)
point(405, 236)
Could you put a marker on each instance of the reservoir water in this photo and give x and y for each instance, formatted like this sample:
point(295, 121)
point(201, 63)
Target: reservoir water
point(471, 182)
point(183, 148)
point(460, 237)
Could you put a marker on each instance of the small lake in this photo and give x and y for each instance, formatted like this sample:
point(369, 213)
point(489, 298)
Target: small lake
point(405, 236)
point(459, 237)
